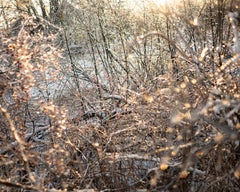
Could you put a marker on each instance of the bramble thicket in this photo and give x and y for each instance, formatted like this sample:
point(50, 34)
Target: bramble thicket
point(98, 95)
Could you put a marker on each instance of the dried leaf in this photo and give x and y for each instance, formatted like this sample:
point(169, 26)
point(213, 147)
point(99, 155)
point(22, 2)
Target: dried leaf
point(184, 174)
point(148, 98)
point(163, 166)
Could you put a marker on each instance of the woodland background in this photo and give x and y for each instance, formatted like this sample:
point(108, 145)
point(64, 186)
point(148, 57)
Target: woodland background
point(99, 96)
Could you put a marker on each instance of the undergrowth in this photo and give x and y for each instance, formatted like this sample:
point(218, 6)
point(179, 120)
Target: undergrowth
point(177, 132)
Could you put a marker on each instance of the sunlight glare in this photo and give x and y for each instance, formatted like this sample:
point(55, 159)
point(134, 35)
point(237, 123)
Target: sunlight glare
point(160, 2)
point(139, 3)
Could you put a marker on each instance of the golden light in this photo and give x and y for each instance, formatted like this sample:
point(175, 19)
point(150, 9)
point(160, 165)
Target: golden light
point(137, 5)
point(160, 2)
